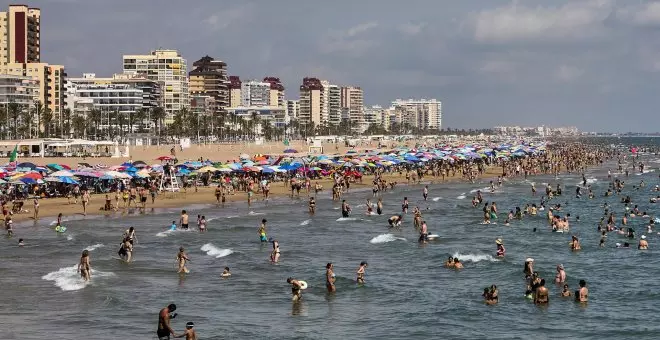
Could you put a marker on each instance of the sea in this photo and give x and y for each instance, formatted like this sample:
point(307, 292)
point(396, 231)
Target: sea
point(408, 293)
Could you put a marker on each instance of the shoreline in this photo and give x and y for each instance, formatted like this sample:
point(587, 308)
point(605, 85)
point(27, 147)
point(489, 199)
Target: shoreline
point(51, 207)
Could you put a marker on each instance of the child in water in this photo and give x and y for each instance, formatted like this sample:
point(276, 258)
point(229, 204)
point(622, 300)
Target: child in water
point(173, 226)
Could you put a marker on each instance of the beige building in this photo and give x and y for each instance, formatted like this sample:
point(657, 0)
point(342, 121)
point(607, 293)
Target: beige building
point(352, 101)
point(19, 35)
point(311, 101)
point(235, 85)
point(419, 113)
point(276, 98)
point(209, 77)
point(168, 67)
point(19, 90)
point(51, 83)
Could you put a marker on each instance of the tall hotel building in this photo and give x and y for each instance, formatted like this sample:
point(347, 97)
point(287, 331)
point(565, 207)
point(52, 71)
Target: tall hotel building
point(420, 113)
point(19, 35)
point(311, 101)
point(209, 77)
point(168, 67)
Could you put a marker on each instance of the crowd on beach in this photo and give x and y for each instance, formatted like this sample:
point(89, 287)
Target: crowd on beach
point(415, 166)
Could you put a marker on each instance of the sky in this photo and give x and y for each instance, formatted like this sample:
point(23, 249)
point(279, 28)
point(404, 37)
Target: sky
point(593, 64)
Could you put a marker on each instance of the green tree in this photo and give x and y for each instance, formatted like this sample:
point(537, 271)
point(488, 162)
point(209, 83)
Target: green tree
point(79, 126)
point(47, 122)
point(157, 116)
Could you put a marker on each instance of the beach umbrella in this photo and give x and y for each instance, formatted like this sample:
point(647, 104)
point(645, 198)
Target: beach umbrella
point(26, 165)
point(28, 180)
point(54, 167)
point(68, 180)
point(267, 170)
point(53, 179)
point(33, 175)
point(225, 170)
point(290, 151)
point(207, 169)
point(63, 173)
point(244, 156)
point(16, 182)
point(164, 158)
point(127, 164)
point(86, 165)
point(87, 174)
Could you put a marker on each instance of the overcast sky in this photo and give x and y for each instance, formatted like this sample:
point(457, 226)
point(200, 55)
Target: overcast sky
point(593, 64)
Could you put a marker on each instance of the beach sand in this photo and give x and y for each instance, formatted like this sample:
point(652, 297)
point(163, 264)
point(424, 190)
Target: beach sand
point(51, 207)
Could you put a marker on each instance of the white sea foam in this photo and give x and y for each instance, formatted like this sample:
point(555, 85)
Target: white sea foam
point(233, 216)
point(482, 190)
point(305, 222)
point(252, 213)
point(474, 257)
point(94, 247)
point(69, 237)
point(435, 199)
point(212, 250)
point(341, 219)
point(169, 232)
point(384, 238)
point(646, 171)
point(461, 197)
point(68, 278)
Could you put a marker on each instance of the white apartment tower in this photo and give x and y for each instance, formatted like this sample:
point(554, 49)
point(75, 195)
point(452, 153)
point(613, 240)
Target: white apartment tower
point(168, 67)
point(419, 113)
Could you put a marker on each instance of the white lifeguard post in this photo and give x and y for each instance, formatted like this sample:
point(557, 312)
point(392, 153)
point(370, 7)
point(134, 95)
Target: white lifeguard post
point(169, 173)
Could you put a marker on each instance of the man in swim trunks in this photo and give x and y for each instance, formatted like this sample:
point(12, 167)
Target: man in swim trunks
point(296, 289)
point(582, 294)
point(541, 294)
point(423, 233)
point(395, 221)
point(262, 231)
point(425, 193)
point(330, 278)
point(184, 220)
point(164, 329)
point(345, 209)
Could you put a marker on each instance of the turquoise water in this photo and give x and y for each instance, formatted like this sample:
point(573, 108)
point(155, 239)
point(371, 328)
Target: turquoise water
point(409, 294)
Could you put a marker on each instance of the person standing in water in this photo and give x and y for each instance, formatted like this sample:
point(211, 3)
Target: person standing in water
point(500, 248)
point(164, 329)
point(582, 294)
point(36, 209)
point(423, 233)
point(379, 206)
point(181, 259)
point(330, 278)
point(425, 193)
point(360, 273)
point(183, 221)
point(404, 205)
point(541, 295)
point(189, 333)
point(561, 274)
point(312, 205)
point(345, 209)
point(126, 249)
point(275, 254)
point(296, 289)
point(262, 231)
point(84, 266)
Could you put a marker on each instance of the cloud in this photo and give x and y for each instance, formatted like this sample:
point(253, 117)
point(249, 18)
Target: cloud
point(515, 22)
point(353, 41)
point(361, 28)
point(567, 73)
point(228, 16)
point(411, 28)
point(642, 15)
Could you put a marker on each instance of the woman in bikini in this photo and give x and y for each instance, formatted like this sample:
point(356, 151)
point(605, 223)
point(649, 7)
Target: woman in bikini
point(84, 266)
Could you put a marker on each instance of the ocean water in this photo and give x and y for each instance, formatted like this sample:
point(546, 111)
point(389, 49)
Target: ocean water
point(408, 294)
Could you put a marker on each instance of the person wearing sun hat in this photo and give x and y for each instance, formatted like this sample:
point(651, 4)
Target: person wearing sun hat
point(561, 274)
point(529, 267)
point(500, 247)
point(643, 244)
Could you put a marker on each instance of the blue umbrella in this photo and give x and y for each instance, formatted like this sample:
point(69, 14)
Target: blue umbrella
point(268, 170)
point(26, 165)
point(126, 164)
point(68, 180)
point(28, 180)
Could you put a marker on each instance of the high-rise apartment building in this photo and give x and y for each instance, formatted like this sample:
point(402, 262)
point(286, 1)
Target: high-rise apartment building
point(352, 99)
point(292, 109)
point(255, 93)
point(19, 35)
point(311, 101)
point(422, 113)
point(51, 80)
point(209, 77)
point(20, 90)
point(276, 98)
point(168, 67)
point(235, 92)
point(125, 94)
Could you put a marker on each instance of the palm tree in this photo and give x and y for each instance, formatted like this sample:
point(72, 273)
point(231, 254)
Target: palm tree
point(25, 129)
point(157, 115)
point(138, 118)
point(47, 121)
point(14, 112)
point(79, 125)
point(96, 116)
point(67, 123)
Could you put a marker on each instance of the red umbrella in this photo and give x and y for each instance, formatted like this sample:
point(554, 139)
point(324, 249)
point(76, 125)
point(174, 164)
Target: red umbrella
point(164, 158)
point(33, 175)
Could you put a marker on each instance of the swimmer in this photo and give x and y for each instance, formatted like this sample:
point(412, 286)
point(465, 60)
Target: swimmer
point(125, 250)
point(582, 294)
point(529, 267)
point(561, 274)
point(226, 273)
point(345, 209)
point(566, 292)
point(9, 225)
point(379, 206)
point(202, 224)
point(183, 221)
point(84, 266)
point(425, 193)
point(360, 272)
point(296, 289)
point(20, 242)
point(457, 263)
point(575, 243)
point(275, 253)
point(173, 226)
point(404, 205)
point(189, 333)
point(181, 259)
point(262, 231)
point(330, 278)
point(500, 248)
point(164, 329)
point(312, 205)
point(541, 295)
point(423, 233)
point(130, 234)
point(643, 244)
point(395, 221)
point(370, 207)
